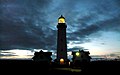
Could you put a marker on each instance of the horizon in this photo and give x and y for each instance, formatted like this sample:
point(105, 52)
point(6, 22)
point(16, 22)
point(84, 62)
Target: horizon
point(17, 54)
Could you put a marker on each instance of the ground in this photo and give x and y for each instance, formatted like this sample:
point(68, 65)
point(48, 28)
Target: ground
point(30, 67)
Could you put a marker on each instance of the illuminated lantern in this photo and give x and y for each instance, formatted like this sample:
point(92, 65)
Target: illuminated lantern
point(61, 19)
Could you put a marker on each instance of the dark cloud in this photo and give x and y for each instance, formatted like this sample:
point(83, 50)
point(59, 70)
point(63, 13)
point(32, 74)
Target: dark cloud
point(30, 24)
point(76, 48)
point(25, 36)
point(110, 24)
point(82, 34)
point(99, 16)
point(117, 2)
point(23, 25)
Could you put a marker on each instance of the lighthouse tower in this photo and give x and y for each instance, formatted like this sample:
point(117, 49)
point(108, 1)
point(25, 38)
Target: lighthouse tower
point(61, 41)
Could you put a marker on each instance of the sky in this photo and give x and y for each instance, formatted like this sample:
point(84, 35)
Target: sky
point(30, 25)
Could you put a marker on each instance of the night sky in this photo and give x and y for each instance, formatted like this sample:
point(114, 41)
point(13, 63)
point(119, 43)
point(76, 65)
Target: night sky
point(93, 25)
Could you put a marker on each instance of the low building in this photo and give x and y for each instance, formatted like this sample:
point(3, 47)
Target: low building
point(80, 58)
point(42, 57)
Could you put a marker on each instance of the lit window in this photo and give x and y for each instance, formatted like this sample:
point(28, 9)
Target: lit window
point(77, 54)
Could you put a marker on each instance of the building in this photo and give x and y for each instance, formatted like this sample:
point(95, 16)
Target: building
point(80, 58)
point(61, 41)
point(41, 56)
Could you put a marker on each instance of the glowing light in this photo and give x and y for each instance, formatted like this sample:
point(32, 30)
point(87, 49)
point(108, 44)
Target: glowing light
point(61, 20)
point(69, 63)
point(77, 54)
point(61, 61)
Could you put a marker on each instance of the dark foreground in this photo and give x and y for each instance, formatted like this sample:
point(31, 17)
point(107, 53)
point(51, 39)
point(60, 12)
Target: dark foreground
point(18, 67)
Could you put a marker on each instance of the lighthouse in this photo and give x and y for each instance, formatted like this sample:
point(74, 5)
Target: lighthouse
point(61, 41)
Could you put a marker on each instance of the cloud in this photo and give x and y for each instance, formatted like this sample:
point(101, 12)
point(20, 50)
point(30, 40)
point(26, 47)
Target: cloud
point(111, 24)
point(76, 48)
point(82, 35)
point(23, 25)
point(29, 24)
